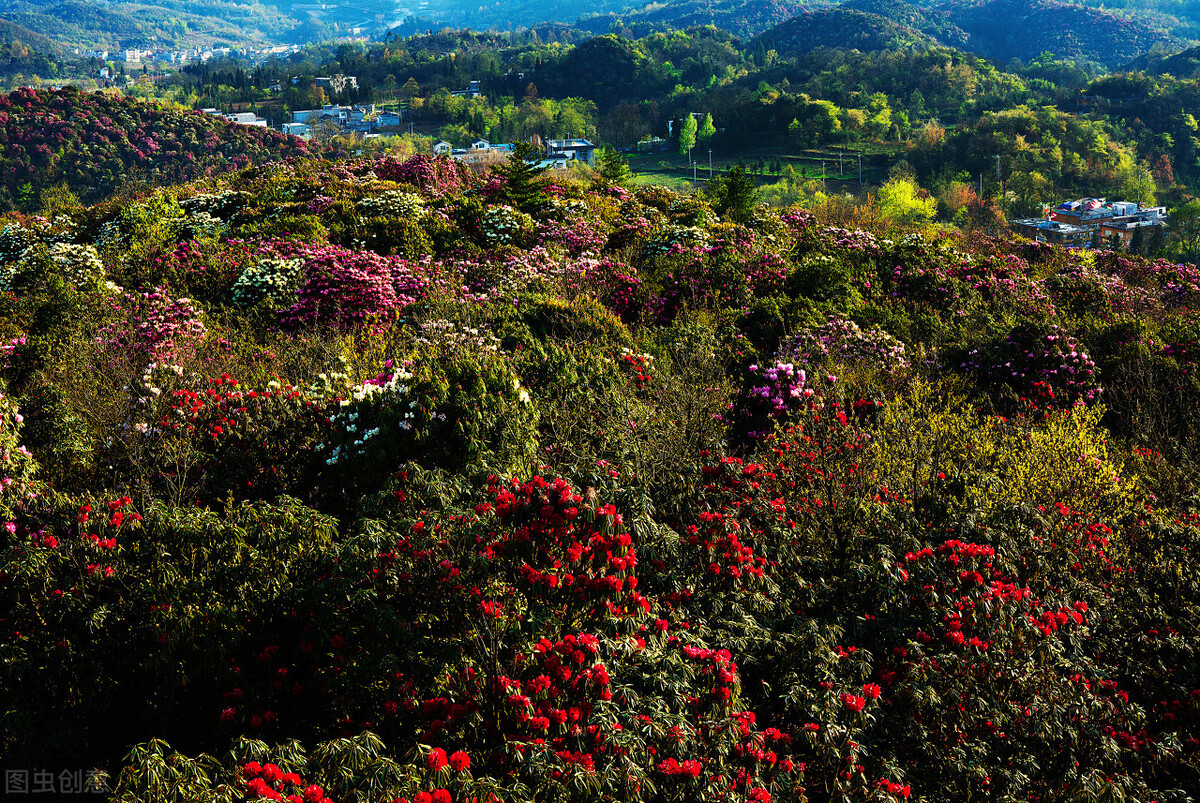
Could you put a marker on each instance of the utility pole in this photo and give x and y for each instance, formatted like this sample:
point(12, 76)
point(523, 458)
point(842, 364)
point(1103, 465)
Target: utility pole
point(710, 164)
point(694, 183)
point(822, 175)
point(860, 170)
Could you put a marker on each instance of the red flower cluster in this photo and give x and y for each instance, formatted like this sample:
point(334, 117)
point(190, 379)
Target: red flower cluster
point(269, 782)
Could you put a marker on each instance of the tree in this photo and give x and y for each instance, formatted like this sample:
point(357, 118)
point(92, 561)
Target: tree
point(613, 167)
point(900, 200)
point(733, 195)
point(687, 136)
point(707, 129)
point(1139, 186)
point(1185, 227)
point(1137, 243)
point(522, 176)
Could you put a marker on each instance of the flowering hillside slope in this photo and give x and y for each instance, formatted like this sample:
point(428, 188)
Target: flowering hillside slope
point(94, 143)
point(383, 480)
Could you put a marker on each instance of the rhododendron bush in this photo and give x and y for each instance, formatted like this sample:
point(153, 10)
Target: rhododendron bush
point(348, 482)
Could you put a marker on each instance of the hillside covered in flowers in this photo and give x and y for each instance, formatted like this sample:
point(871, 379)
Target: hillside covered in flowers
point(91, 144)
point(382, 480)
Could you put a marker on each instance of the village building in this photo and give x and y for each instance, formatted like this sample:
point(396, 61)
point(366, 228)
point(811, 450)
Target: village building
point(1090, 222)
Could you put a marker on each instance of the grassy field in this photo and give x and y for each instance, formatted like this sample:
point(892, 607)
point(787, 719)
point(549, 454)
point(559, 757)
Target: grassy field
point(766, 166)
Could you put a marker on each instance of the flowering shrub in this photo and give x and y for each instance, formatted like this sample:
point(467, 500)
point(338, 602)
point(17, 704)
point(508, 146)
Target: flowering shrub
point(503, 225)
point(673, 238)
point(1044, 365)
point(658, 523)
point(348, 288)
point(269, 281)
point(450, 410)
point(17, 465)
point(154, 327)
point(843, 343)
point(80, 265)
point(433, 175)
point(393, 203)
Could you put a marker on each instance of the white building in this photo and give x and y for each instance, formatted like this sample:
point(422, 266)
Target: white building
point(302, 130)
point(246, 118)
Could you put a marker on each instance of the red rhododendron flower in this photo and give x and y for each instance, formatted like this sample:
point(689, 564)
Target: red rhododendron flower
point(460, 761)
point(441, 796)
point(437, 759)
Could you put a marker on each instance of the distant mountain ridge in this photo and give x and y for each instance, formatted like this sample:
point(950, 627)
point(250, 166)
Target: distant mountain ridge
point(997, 29)
point(1006, 29)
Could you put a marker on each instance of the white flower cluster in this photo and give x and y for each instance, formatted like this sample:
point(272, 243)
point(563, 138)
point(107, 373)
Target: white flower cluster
point(393, 203)
point(197, 225)
point(447, 336)
point(503, 225)
point(15, 241)
point(371, 395)
point(270, 280)
point(672, 234)
point(214, 204)
point(63, 229)
point(80, 265)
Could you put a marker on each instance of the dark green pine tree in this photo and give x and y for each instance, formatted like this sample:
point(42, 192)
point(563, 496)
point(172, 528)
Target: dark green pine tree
point(522, 174)
point(733, 195)
point(1137, 243)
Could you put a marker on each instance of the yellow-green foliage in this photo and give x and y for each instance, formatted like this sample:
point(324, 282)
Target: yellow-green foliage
point(1064, 460)
point(927, 431)
point(583, 320)
point(930, 435)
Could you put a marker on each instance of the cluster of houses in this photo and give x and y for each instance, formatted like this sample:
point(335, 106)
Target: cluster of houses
point(201, 55)
point(358, 119)
point(1091, 222)
point(558, 151)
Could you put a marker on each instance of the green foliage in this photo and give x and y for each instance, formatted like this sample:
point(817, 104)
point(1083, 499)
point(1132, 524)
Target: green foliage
point(687, 135)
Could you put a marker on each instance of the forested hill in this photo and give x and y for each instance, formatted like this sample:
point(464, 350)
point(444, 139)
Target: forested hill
point(95, 143)
point(841, 28)
point(743, 18)
point(1184, 65)
point(996, 29)
point(1005, 29)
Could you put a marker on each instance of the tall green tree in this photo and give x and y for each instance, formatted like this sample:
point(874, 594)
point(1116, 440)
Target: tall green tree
point(687, 136)
point(1185, 228)
point(707, 129)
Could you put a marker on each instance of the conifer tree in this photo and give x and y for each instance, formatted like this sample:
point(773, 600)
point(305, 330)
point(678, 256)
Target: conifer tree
point(522, 174)
point(733, 195)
